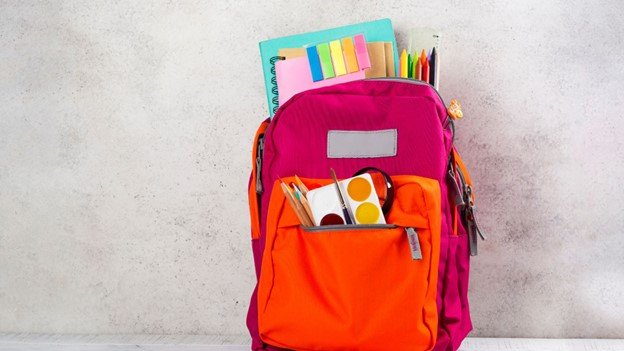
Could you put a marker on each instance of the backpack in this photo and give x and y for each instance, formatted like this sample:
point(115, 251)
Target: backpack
point(358, 287)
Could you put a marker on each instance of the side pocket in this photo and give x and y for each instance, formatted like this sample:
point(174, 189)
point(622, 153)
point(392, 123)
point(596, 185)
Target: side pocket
point(253, 189)
point(466, 247)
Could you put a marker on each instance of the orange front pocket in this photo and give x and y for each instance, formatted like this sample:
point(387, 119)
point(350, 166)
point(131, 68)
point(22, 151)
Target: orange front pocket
point(356, 287)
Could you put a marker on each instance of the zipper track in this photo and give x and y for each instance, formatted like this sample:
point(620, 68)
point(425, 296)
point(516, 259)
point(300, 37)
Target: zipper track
point(344, 227)
point(408, 81)
point(446, 122)
point(259, 160)
point(387, 79)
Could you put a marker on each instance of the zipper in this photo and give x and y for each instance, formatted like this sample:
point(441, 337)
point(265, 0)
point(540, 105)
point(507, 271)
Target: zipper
point(259, 156)
point(420, 82)
point(341, 227)
point(409, 81)
point(457, 193)
point(470, 220)
point(471, 217)
point(412, 234)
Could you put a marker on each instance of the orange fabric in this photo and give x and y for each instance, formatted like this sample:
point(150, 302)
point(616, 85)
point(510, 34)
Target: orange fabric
point(460, 163)
point(352, 289)
point(254, 213)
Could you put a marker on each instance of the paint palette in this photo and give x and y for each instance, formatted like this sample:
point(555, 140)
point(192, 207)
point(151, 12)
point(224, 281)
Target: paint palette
point(359, 195)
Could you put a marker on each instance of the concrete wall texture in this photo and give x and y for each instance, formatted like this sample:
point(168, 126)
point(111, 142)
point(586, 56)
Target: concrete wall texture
point(125, 134)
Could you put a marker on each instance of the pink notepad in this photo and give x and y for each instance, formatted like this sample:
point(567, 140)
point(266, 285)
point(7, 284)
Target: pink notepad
point(293, 76)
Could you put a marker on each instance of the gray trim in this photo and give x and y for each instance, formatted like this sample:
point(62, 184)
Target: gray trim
point(361, 144)
point(343, 227)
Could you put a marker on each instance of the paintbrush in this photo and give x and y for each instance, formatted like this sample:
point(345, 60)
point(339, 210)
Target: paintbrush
point(343, 204)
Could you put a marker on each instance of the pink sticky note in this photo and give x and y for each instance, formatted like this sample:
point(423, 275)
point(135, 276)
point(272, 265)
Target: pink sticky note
point(293, 76)
point(361, 52)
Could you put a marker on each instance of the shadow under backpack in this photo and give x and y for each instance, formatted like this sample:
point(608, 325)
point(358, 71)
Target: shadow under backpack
point(359, 288)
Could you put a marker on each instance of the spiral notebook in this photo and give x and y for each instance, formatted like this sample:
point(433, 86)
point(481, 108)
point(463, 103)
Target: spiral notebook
point(379, 30)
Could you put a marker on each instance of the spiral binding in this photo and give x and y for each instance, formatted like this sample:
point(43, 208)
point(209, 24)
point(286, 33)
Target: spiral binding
point(274, 91)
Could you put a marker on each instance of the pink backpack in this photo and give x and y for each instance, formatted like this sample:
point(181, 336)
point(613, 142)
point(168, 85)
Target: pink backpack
point(360, 288)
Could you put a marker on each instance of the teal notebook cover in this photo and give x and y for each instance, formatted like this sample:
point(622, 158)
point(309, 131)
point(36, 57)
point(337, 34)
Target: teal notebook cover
point(380, 30)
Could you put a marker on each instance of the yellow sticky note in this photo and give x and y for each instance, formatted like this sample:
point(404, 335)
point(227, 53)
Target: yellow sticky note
point(337, 58)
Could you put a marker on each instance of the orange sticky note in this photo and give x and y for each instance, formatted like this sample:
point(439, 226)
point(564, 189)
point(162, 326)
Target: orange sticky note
point(349, 54)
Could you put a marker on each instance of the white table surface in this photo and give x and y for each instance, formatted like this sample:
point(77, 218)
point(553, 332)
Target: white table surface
point(53, 342)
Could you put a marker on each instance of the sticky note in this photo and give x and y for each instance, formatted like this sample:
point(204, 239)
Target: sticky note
point(315, 64)
point(389, 51)
point(294, 76)
point(348, 49)
point(361, 52)
point(377, 55)
point(326, 61)
point(336, 54)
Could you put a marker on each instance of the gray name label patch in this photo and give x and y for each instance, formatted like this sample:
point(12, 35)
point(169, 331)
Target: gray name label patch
point(361, 144)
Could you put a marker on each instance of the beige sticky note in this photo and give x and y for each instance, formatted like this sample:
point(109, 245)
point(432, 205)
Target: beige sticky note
point(388, 50)
point(376, 53)
point(291, 52)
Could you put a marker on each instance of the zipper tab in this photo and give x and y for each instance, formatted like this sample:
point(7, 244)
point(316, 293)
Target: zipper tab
point(469, 217)
point(472, 208)
point(414, 243)
point(259, 155)
point(459, 200)
point(473, 229)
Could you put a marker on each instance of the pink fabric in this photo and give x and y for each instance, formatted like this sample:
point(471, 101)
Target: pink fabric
point(296, 143)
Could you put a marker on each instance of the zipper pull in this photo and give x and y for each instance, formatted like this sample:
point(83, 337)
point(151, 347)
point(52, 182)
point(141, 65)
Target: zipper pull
point(472, 239)
point(414, 243)
point(454, 187)
point(471, 222)
point(473, 230)
point(259, 155)
point(472, 208)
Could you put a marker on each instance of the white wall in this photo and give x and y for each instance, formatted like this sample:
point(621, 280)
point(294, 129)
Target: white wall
point(125, 133)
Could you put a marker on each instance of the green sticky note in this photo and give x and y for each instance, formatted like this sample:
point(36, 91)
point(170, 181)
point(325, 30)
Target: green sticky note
point(326, 61)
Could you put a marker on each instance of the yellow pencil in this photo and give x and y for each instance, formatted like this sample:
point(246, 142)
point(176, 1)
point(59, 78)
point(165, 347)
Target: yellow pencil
point(403, 64)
